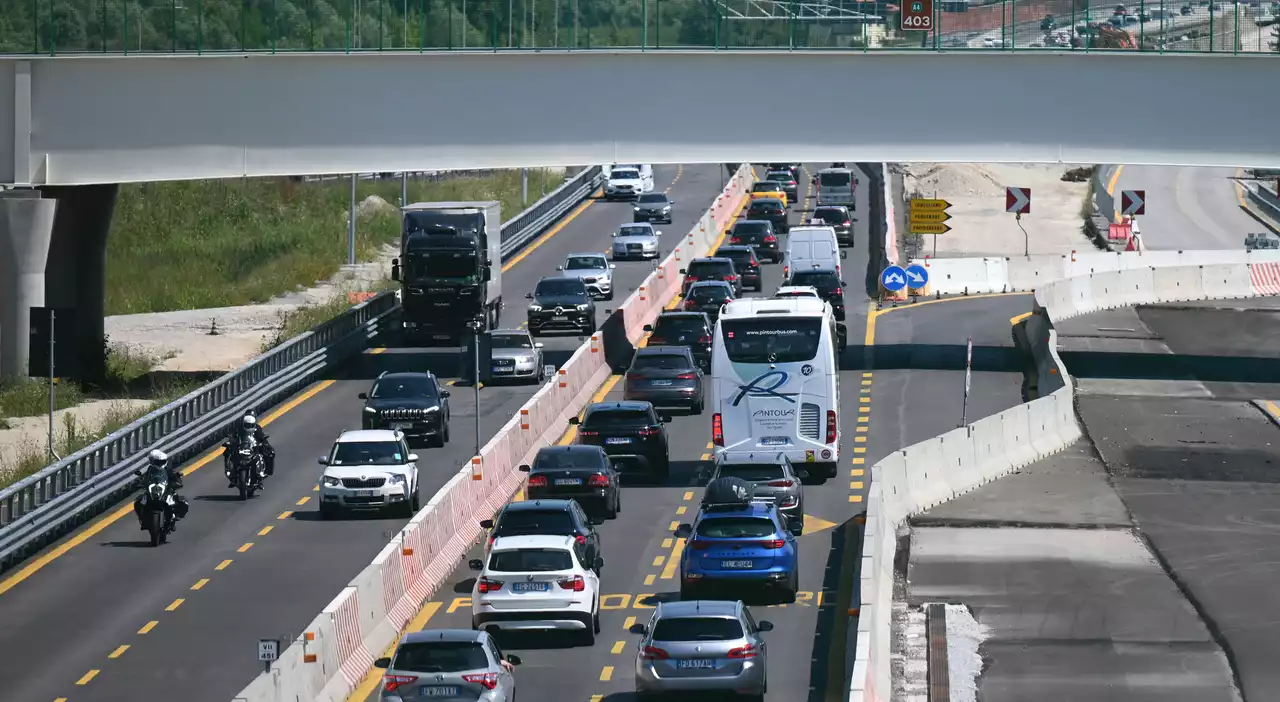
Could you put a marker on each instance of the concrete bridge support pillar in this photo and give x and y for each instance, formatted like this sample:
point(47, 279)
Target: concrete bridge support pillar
point(76, 275)
point(26, 225)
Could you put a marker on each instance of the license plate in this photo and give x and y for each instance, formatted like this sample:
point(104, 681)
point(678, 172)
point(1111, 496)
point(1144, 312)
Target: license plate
point(568, 481)
point(530, 587)
point(737, 564)
point(364, 493)
point(774, 441)
point(661, 383)
point(561, 317)
point(503, 369)
point(618, 440)
point(401, 425)
point(438, 691)
point(696, 663)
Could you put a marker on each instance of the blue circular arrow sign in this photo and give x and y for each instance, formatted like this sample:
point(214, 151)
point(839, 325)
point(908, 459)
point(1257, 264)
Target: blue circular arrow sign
point(894, 278)
point(917, 276)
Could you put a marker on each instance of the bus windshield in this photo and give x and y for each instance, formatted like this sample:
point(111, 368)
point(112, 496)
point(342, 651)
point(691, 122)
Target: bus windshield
point(771, 340)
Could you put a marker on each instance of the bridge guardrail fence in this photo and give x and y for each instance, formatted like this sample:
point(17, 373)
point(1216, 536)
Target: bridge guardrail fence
point(40, 508)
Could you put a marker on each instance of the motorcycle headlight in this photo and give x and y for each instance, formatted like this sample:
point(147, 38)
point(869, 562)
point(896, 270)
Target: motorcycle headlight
point(330, 481)
point(156, 490)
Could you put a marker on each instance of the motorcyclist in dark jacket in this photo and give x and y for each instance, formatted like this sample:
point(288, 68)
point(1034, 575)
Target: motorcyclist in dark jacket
point(158, 463)
point(249, 427)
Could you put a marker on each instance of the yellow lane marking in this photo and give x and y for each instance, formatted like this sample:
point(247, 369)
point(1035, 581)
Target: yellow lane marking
point(863, 420)
point(287, 513)
point(606, 674)
point(1111, 190)
point(980, 296)
point(867, 374)
point(855, 498)
point(223, 565)
point(377, 351)
point(550, 233)
point(864, 410)
point(812, 524)
point(673, 526)
point(617, 647)
point(597, 698)
point(673, 562)
point(265, 530)
point(859, 449)
point(1013, 321)
point(174, 605)
point(572, 432)
point(666, 543)
point(688, 495)
point(648, 579)
point(304, 500)
point(373, 678)
point(857, 472)
point(864, 400)
point(860, 439)
point(866, 382)
point(855, 485)
point(59, 699)
point(57, 552)
point(146, 628)
point(681, 509)
point(84, 679)
point(859, 461)
point(658, 561)
point(200, 584)
point(245, 547)
point(315, 488)
point(706, 456)
point(869, 339)
point(118, 652)
point(710, 445)
point(860, 429)
point(628, 622)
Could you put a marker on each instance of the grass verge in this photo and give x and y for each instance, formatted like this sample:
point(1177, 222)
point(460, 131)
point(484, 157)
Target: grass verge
point(304, 319)
point(218, 243)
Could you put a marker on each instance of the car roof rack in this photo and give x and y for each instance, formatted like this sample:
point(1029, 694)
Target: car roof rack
point(735, 506)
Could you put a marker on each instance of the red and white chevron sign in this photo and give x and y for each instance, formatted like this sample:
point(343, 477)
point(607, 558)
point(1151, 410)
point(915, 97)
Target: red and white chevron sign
point(1017, 200)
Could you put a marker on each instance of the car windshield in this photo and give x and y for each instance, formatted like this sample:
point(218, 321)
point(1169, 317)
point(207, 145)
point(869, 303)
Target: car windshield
point(625, 175)
point(404, 387)
point(660, 361)
point(560, 460)
point(738, 256)
point(736, 528)
point(765, 187)
point(579, 263)
point(635, 231)
point(530, 521)
point(765, 205)
point(652, 198)
point(750, 229)
point(779, 177)
point(510, 341)
point(709, 293)
point(606, 419)
point(751, 472)
point(530, 560)
point(709, 269)
point(831, 215)
point(568, 287)
point(440, 264)
point(773, 340)
point(837, 179)
point(367, 453)
point(697, 629)
point(440, 657)
point(677, 328)
point(825, 281)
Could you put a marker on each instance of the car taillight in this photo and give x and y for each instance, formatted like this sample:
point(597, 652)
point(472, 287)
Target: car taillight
point(771, 239)
point(848, 223)
point(588, 433)
point(654, 653)
point(391, 683)
point(582, 540)
point(492, 539)
point(704, 340)
point(488, 680)
point(690, 304)
point(699, 545)
point(486, 585)
point(780, 483)
point(785, 271)
point(686, 376)
point(598, 481)
point(748, 651)
point(774, 543)
point(650, 431)
point(576, 583)
point(754, 264)
point(657, 340)
point(537, 481)
point(735, 240)
point(730, 278)
point(831, 426)
point(839, 292)
point(791, 501)
point(717, 429)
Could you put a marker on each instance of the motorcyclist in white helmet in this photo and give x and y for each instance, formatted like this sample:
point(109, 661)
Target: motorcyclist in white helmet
point(249, 426)
point(158, 464)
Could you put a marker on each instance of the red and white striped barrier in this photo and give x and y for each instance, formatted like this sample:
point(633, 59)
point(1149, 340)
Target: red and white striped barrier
point(338, 648)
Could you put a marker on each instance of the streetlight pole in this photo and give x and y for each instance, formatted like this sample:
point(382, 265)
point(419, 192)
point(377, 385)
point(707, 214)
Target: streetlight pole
point(475, 327)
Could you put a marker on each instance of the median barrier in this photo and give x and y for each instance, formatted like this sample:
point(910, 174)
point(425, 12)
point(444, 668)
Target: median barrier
point(920, 476)
point(332, 656)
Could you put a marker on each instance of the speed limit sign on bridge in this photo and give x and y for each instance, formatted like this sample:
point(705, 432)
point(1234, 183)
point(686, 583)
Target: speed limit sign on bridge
point(917, 15)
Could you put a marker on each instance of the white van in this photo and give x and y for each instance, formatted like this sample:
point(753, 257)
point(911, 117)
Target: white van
point(809, 247)
point(775, 381)
point(836, 186)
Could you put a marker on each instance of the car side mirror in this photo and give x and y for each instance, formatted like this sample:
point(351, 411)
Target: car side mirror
point(657, 232)
point(599, 563)
point(413, 457)
point(665, 418)
point(844, 254)
point(614, 235)
point(538, 345)
point(683, 272)
point(844, 284)
point(383, 663)
point(802, 474)
point(528, 296)
point(575, 421)
point(684, 531)
point(671, 202)
point(323, 460)
point(765, 625)
point(363, 396)
point(559, 268)
point(640, 629)
point(524, 468)
point(444, 393)
point(612, 266)
point(486, 523)
point(514, 659)
point(648, 327)
point(475, 564)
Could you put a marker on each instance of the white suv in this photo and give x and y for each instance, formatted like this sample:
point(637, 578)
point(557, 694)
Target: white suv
point(532, 583)
point(369, 469)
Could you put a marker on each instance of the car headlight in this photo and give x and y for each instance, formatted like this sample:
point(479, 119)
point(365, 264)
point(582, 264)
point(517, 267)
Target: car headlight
point(330, 481)
point(370, 410)
point(535, 307)
point(429, 410)
point(667, 208)
point(399, 479)
point(583, 308)
point(636, 208)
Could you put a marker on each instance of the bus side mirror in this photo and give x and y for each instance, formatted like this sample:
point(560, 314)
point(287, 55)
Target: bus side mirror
point(395, 269)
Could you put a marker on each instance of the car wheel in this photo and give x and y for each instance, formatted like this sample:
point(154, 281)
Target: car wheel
point(595, 623)
point(415, 502)
point(697, 407)
point(588, 636)
point(612, 511)
point(609, 296)
point(444, 434)
point(789, 595)
point(327, 511)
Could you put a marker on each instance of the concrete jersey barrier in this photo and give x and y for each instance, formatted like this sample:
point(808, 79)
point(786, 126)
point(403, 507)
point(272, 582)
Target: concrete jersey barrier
point(337, 648)
point(923, 475)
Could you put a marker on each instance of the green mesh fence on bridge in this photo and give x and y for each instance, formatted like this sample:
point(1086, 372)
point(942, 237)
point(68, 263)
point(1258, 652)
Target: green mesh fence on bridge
point(57, 27)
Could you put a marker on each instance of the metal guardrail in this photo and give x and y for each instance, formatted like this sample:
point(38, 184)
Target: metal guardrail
point(41, 508)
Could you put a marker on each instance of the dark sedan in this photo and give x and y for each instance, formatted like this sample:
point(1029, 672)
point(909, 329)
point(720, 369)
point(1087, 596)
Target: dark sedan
point(653, 207)
point(545, 518)
point(410, 402)
point(665, 376)
point(745, 263)
point(575, 472)
point(707, 297)
point(839, 218)
point(711, 269)
point(631, 433)
point(691, 329)
point(561, 304)
point(828, 284)
point(759, 235)
point(771, 210)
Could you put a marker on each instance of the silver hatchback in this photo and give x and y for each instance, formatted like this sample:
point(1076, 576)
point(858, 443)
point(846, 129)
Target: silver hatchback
point(453, 665)
point(702, 646)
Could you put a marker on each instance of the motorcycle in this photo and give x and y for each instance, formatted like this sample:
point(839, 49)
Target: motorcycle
point(245, 466)
point(156, 506)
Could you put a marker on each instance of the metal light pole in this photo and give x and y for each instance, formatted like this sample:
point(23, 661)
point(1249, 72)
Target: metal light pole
point(52, 453)
point(404, 188)
point(476, 326)
point(351, 225)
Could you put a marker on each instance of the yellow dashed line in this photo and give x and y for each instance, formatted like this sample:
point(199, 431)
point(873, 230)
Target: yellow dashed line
point(860, 429)
point(673, 562)
point(681, 509)
point(855, 498)
point(860, 439)
point(628, 623)
point(314, 489)
point(265, 530)
point(146, 628)
point(859, 449)
point(864, 400)
point(287, 513)
point(174, 605)
point(859, 461)
point(617, 647)
point(306, 499)
point(867, 374)
point(606, 674)
point(648, 579)
point(706, 456)
point(223, 565)
point(200, 583)
point(857, 472)
point(245, 547)
point(674, 526)
point(118, 652)
point(866, 382)
point(688, 495)
point(597, 698)
point(855, 485)
point(864, 410)
point(666, 543)
point(84, 679)
point(863, 420)
point(658, 561)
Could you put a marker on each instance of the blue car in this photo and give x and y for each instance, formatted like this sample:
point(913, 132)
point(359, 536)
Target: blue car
point(736, 545)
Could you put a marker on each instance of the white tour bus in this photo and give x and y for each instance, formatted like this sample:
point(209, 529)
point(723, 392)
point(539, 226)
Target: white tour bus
point(775, 381)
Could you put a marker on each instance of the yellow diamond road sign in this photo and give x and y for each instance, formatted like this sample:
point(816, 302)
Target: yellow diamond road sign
point(936, 217)
point(929, 228)
point(921, 205)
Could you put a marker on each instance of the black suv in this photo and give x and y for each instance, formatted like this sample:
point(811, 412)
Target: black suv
point(759, 235)
point(653, 207)
point(771, 210)
point(692, 329)
point(545, 517)
point(745, 262)
point(711, 269)
point(837, 217)
point(575, 472)
point(561, 304)
point(410, 402)
point(630, 432)
point(707, 297)
point(828, 284)
point(666, 376)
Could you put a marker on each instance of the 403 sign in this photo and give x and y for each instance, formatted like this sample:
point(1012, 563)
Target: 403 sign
point(917, 15)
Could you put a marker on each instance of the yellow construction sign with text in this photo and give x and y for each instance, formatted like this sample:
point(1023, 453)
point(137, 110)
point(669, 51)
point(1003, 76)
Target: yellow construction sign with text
point(928, 216)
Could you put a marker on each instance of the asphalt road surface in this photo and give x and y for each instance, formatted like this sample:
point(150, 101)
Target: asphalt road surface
point(1188, 208)
point(101, 617)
